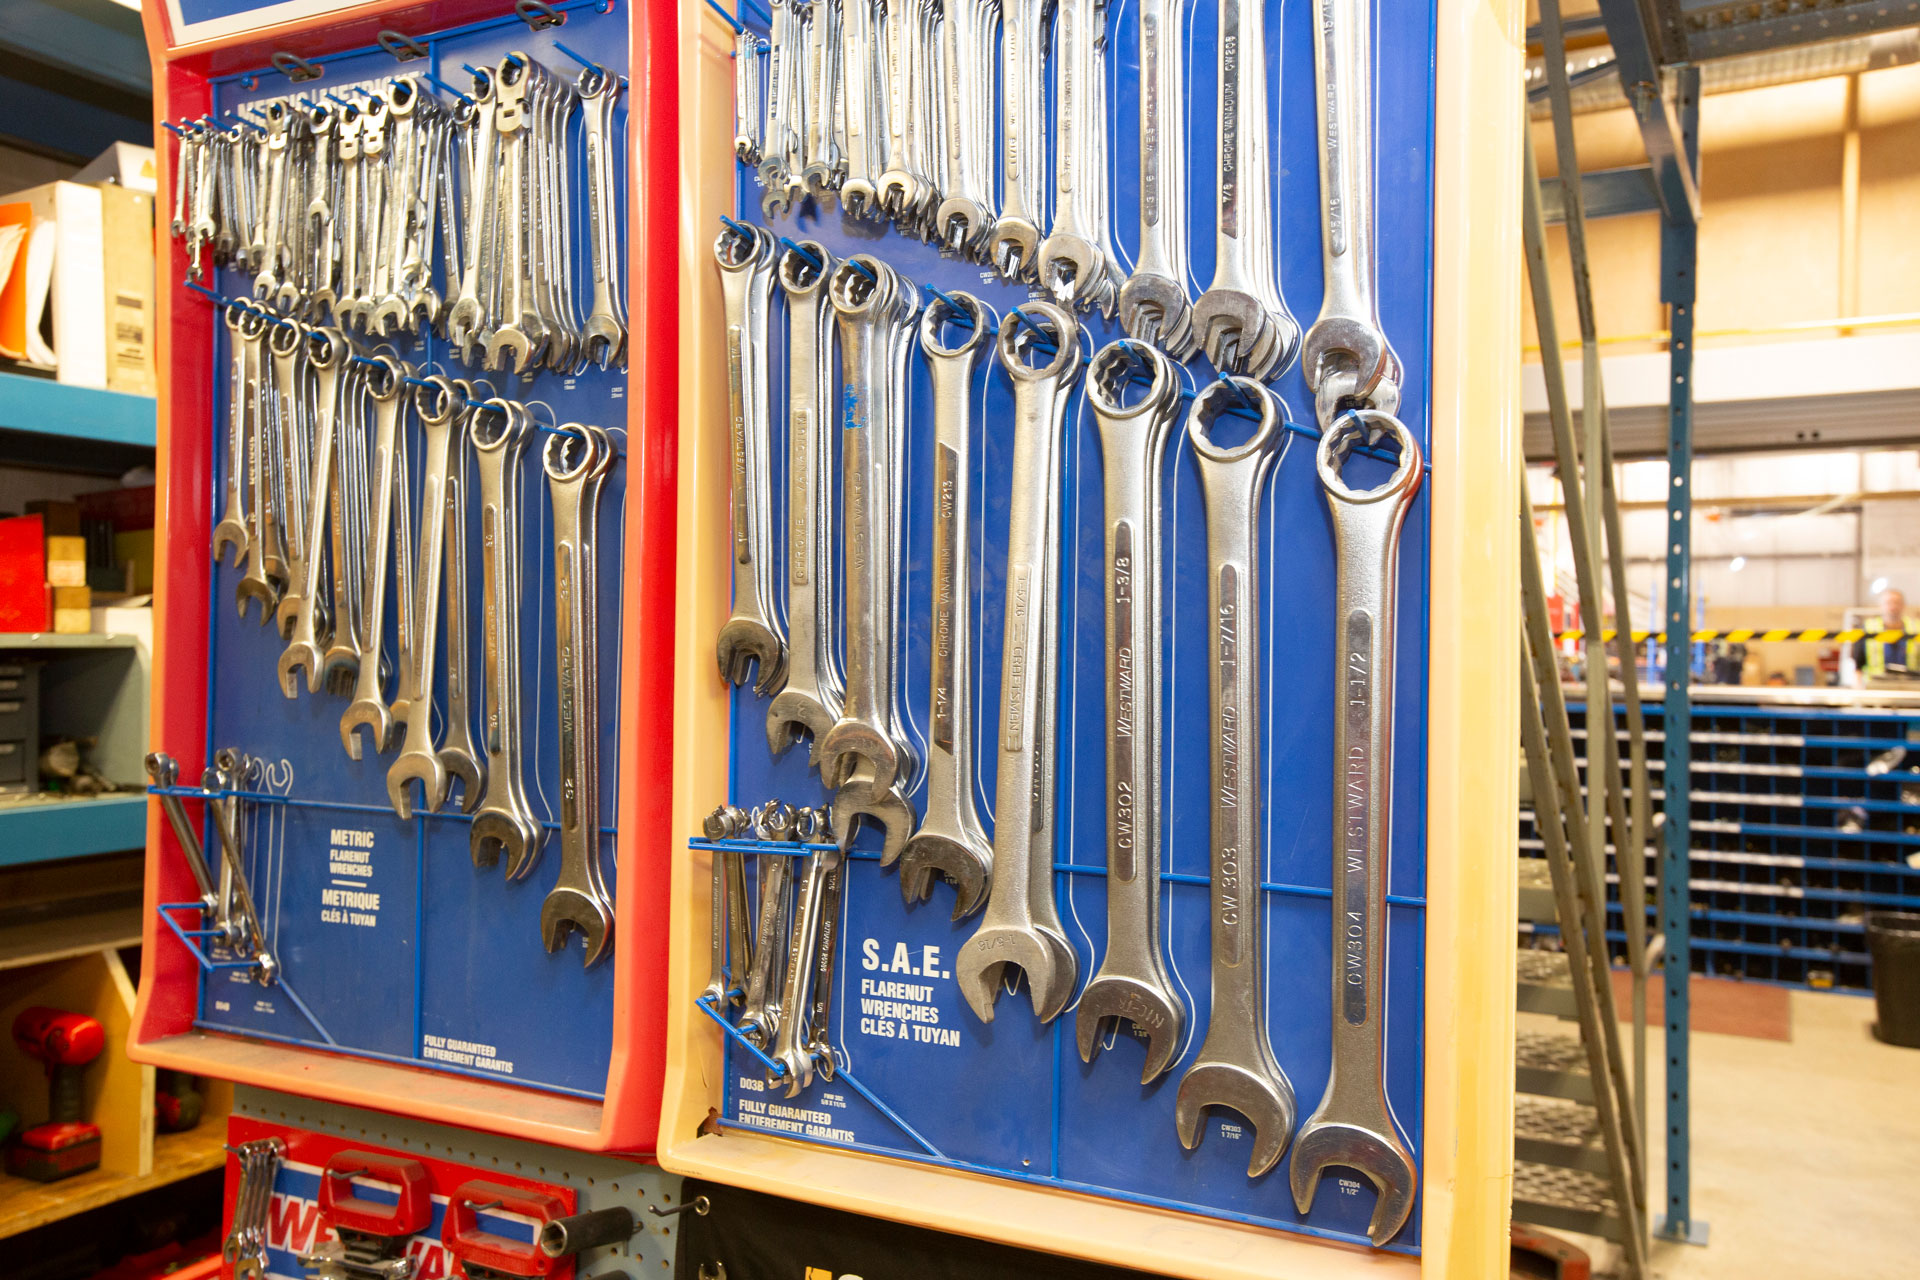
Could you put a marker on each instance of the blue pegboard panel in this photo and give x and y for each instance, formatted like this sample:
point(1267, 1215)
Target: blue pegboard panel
point(924, 1079)
point(392, 944)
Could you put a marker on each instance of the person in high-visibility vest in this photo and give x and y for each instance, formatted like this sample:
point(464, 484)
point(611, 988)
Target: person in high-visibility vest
point(1873, 656)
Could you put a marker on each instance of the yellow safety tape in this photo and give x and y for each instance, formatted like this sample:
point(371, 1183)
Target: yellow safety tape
point(1750, 635)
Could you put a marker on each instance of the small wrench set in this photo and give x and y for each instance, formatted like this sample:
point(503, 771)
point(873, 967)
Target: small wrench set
point(1058, 512)
point(346, 208)
point(417, 537)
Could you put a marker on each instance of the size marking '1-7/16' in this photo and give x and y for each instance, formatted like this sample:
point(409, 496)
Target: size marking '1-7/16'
point(1355, 790)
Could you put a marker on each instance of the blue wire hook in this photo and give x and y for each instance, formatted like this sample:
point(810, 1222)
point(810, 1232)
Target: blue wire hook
point(588, 63)
point(812, 259)
point(444, 87)
point(1040, 338)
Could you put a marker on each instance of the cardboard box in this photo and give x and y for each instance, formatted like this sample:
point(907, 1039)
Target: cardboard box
point(126, 164)
point(126, 241)
point(134, 550)
point(62, 518)
point(72, 610)
point(24, 603)
point(99, 285)
point(66, 562)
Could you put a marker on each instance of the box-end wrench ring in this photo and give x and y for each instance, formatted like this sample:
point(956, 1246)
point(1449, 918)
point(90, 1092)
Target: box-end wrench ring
point(1353, 1127)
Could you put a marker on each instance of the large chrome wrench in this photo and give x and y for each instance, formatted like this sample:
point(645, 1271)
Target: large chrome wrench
point(752, 632)
point(1131, 984)
point(791, 1042)
point(605, 333)
point(165, 772)
point(576, 460)
point(1353, 1127)
point(1076, 258)
point(760, 1012)
point(286, 345)
point(1154, 305)
point(440, 407)
point(1015, 246)
point(503, 821)
point(950, 840)
point(1021, 926)
point(1236, 1067)
point(369, 709)
point(812, 699)
point(233, 530)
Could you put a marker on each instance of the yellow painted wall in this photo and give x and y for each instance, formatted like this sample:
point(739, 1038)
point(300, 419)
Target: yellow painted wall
point(1772, 225)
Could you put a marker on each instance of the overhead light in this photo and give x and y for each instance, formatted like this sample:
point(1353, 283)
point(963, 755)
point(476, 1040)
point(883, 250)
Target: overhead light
point(1739, 563)
point(1879, 585)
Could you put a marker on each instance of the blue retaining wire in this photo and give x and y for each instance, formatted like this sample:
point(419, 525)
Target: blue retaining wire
point(812, 258)
point(588, 63)
point(842, 1075)
point(1040, 338)
point(739, 28)
point(961, 316)
point(469, 69)
point(444, 87)
point(734, 1033)
point(864, 270)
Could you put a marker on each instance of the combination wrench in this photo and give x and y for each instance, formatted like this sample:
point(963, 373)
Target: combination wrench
point(1353, 1127)
point(1021, 926)
point(760, 1012)
point(1015, 245)
point(503, 821)
point(369, 710)
point(1236, 1067)
point(752, 631)
point(326, 353)
point(950, 840)
point(165, 773)
point(1154, 305)
point(576, 460)
point(732, 942)
point(811, 702)
point(459, 755)
point(1131, 984)
point(441, 408)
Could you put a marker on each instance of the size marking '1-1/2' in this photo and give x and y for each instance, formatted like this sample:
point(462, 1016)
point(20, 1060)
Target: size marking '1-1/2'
point(1355, 792)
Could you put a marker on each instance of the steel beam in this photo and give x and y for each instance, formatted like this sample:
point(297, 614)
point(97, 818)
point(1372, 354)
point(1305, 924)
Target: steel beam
point(1606, 193)
point(1679, 245)
point(1634, 48)
point(1717, 29)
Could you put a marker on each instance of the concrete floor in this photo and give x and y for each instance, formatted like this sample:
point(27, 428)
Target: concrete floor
point(1806, 1155)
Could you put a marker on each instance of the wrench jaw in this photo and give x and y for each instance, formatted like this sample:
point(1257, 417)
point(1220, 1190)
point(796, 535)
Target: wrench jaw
point(964, 225)
point(569, 909)
point(1372, 1148)
point(796, 714)
point(863, 797)
point(1074, 270)
point(1015, 248)
point(463, 767)
point(497, 831)
point(255, 585)
point(745, 640)
point(983, 960)
point(424, 767)
point(965, 860)
point(368, 712)
point(1155, 1011)
point(1262, 1096)
point(1155, 309)
point(601, 339)
point(1236, 331)
point(852, 744)
point(300, 656)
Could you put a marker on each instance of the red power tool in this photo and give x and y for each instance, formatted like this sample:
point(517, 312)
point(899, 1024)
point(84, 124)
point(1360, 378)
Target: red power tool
point(65, 1144)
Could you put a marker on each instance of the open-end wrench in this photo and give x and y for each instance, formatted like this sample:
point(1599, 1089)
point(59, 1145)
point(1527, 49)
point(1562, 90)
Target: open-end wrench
point(1345, 355)
point(576, 461)
point(1015, 246)
point(326, 356)
point(1154, 305)
point(233, 531)
point(519, 337)
point(760, 1014)
point(270, 465)
point(746, 96)
point(752, 631)
point(503, 821)
point(270, 247)
point(950, 840)
point(865, 109)
point(1131, 984)
point(1236, 1067)
point(1021, 925)
point(467, 317)
point(871, 303)
point(458, 754)
point(812, 699)
point(368, 709)
point(440, 406)
point(733, 931)
point(165, 772)
point(1240, 319)
point(826, 946)
point(964, 220)
point(1353, 1127)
